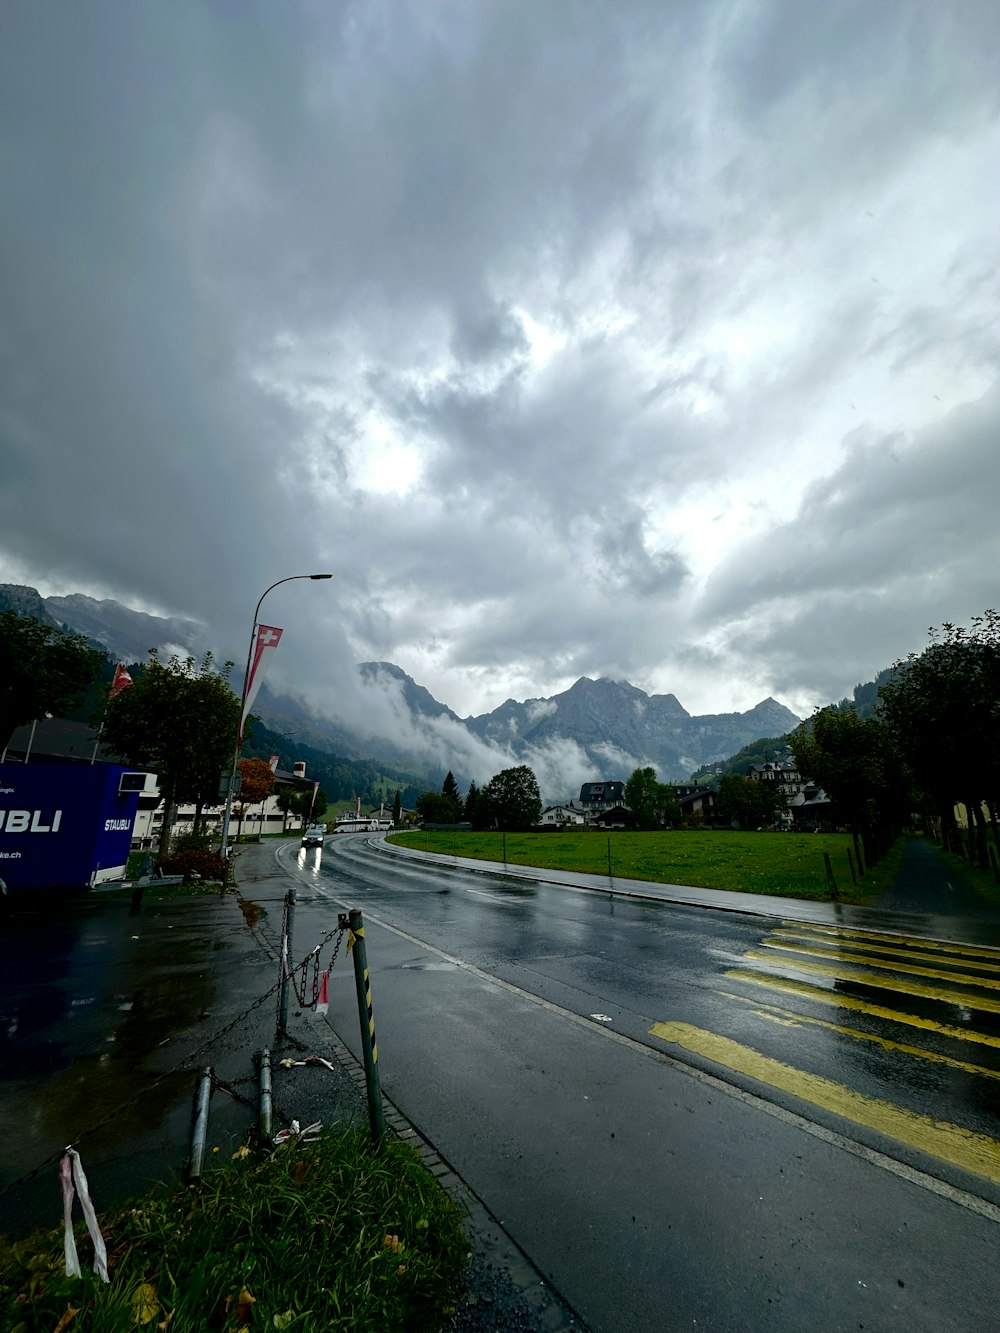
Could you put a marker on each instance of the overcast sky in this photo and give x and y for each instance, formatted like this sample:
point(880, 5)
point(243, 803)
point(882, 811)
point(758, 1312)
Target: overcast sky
point(653, 340)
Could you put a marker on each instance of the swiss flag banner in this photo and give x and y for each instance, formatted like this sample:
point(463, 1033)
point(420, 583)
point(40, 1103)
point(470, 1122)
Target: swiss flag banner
point(267, 639)
point(121, 681)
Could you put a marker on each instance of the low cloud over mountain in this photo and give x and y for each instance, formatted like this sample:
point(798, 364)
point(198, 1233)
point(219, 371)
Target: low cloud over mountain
point(596, 728)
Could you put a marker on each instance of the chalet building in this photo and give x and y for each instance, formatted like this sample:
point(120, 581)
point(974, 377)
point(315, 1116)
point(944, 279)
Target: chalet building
point(560, 816)
point(785, 778)
point(812, 811)
point(616, 816)
point(598, 796)
point(698, 802)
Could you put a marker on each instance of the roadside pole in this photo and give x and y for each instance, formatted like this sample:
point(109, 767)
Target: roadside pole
point(286, 959)
point(369, 1046)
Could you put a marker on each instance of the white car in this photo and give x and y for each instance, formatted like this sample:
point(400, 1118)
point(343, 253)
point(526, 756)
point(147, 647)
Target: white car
point(314, 835)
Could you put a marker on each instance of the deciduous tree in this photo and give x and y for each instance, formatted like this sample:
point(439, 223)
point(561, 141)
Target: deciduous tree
point(856, 763)
point(180, 721)
point(513, 800)
point(256, 785)
point(750, 803)
point(42, 670)
point(434, 807)
point(653, 803)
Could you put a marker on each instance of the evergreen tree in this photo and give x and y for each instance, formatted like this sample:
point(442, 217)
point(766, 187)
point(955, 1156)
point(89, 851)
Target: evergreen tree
point(449, 789)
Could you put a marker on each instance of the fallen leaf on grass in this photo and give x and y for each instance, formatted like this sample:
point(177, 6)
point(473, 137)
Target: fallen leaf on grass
point(145, 1306)
point(394, 1243)
point(244, 1306)
point(300, 1170)
point(242, 1152)
point(66, 1320)
point(283, 1320)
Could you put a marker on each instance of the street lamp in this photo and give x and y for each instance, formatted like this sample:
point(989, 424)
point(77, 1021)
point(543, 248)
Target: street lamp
point(243, 698)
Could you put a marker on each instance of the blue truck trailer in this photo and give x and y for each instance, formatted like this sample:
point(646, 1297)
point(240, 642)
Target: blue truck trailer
point(64, 826)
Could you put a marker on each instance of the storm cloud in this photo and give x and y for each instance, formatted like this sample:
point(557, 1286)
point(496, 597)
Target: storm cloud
point(653, 340)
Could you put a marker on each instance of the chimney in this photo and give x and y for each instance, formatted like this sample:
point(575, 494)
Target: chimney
point(299, 768)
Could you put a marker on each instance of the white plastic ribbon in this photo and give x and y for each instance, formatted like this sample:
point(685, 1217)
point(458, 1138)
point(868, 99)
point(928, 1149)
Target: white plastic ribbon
point(71, 1174)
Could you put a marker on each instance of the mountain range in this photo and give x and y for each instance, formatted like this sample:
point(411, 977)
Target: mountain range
point(602, 729)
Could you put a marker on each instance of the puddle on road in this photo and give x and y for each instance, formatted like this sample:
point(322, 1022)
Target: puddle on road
point(252, 912)
point(428, 967)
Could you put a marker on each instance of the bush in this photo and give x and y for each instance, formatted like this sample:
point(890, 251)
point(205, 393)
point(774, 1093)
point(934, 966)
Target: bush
point(209, 865)
point(193, 842)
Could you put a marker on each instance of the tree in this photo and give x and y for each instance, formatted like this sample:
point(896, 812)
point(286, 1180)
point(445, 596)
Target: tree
point(256, 785)
point(653, 803)
point(943, 710)
point(512, 798)
point(449, 789)
point(434, 807)
point(475, 807)
point(397, 809)
point(855, 761)
point(42, 670)
point(286, 799)
point(179, 721)
point(750, 803)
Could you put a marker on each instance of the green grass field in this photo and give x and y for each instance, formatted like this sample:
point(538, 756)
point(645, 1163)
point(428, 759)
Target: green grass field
point(789, 865)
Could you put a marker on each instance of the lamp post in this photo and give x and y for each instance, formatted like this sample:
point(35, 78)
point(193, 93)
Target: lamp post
point(243, 698)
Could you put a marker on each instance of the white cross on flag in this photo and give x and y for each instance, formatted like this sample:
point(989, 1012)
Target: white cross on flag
point(267, 639)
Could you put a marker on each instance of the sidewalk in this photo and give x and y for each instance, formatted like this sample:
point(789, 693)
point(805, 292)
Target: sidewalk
point(106, 1020)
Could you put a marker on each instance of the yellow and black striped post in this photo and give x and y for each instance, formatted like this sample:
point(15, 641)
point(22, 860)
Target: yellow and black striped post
point(369, 1046)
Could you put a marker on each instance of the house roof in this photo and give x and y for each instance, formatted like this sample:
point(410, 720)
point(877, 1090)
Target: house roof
point(602, 791)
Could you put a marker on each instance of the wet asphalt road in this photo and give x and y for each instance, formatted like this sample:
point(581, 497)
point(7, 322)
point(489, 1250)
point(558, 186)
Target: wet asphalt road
point(562, 1050)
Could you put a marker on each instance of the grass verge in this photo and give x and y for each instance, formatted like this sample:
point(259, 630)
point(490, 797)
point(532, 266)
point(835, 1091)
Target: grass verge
point(335, 1235)
point(788, 865)
point(970, 874)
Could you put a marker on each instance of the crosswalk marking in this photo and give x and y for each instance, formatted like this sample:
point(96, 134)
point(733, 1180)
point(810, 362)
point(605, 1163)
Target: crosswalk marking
point(842, 955)
point(942, 946)
point(970, 1151)
point(791, 1017)
point(919, 955)
point(806, 991)
point(985, 1003)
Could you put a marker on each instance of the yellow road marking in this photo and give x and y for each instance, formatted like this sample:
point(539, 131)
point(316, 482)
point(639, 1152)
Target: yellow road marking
point(905, 987)
point(951, 1143)
point(963, 978)
point(905, 952)
point(942, 946)
point(771, 1018)
point(791, 1018)
point(839, 1001)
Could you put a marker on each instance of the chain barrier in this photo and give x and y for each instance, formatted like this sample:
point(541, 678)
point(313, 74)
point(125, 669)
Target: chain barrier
point(183, 1066)
point(302, 987)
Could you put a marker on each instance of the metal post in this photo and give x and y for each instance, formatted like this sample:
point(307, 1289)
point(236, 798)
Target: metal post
point(850, 866)
point(265, 1094)
point(286, 958)
point(369, 1046)
point(834, 892)
point(200, 1133)
point(609, 856)
point(505, 848)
